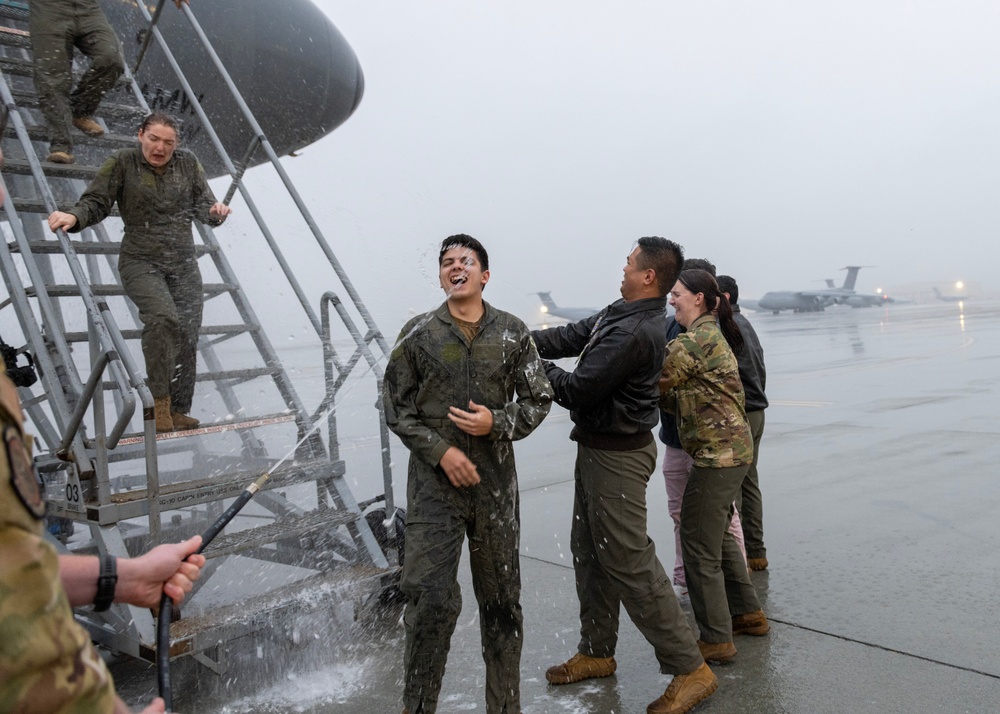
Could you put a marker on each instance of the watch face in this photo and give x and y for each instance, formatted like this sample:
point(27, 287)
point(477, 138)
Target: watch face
point(23, 476)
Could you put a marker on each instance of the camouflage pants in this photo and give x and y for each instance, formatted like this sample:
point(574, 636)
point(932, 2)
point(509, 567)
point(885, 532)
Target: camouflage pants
point(56, 28)
point(750, 502)
point(615, 561)
point(170, 304)
point(717, 577)
point(439, 516)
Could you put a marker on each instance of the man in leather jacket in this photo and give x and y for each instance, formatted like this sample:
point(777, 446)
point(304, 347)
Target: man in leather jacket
point(612, 396)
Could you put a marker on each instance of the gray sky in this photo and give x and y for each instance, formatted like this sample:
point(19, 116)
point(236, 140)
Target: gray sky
point(784, 140)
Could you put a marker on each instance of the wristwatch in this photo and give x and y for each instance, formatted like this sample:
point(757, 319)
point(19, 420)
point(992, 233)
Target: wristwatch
point(106, 583)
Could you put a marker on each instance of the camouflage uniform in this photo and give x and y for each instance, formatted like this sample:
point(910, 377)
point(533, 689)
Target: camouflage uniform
point(434, 367)
point(47, 663)
point(158, 266)
point(705, 393)
point(57, 26)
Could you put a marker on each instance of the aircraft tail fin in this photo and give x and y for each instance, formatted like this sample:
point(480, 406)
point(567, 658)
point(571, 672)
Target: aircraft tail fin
point(852, 276)
point(937, 292)
point(547, 300)
point(829, 283)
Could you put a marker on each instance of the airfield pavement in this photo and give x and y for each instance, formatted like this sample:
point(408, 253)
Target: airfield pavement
point(881, 494)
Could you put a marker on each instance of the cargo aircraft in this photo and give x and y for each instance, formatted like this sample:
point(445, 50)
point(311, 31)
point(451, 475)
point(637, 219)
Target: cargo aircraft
point(949, 298)
point(573, 314)
point(817, 300)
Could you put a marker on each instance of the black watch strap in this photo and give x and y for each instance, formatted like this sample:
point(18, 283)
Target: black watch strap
point(106, 583)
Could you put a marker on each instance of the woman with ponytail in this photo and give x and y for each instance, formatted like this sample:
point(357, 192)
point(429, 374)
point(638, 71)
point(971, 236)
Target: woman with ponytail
point(701, 385)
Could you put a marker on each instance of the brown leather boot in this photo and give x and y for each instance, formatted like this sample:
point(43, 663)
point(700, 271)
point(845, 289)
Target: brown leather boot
point(580, 667)
point(757, 563)
point(717, 652)
point(751, 623)
point(685, 691)
point(88, 126)
point(164, 422)
point(60, 157)
point(182, 422)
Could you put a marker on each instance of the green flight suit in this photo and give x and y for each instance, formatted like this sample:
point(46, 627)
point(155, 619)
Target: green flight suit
point(433, 367)
point(47, 662)
point(158, 265)
point(57, 26)
point(704, 392)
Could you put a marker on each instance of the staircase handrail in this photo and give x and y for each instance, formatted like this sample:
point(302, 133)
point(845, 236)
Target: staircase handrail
point(265, 144)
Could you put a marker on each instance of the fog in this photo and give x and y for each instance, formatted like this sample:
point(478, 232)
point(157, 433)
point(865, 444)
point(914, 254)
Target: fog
point(783, 140)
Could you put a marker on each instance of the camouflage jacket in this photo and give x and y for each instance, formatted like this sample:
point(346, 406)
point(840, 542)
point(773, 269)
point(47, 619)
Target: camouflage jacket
point(704, 391)
point(157, 209)
point(47, 663)
point(434, 367)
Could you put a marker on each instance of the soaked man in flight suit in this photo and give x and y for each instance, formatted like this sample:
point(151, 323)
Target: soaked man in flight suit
point(47, 662)
point(448, 396)
point(159, 190)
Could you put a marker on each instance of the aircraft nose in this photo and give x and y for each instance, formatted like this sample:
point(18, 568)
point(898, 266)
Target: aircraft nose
point(294, 69)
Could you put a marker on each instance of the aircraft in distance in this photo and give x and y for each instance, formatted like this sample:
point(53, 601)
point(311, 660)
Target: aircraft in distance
point(300, 77)
point(949, 298)
point(816, 300)
point(573, 314)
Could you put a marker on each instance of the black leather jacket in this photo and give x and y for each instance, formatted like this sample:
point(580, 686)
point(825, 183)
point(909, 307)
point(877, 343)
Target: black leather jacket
point(612, 394)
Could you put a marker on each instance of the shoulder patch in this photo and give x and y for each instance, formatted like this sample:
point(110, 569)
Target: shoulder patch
point(23, 476)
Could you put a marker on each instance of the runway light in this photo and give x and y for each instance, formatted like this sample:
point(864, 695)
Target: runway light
point(544, 309)
point(959, 285)
point(878, 290)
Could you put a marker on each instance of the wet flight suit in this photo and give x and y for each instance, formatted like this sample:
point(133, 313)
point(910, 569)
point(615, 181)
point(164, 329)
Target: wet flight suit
point(612, 397)
point(47, 662)
point(157, 263)
point(57, 26)
point(704, 392)
point(430, 370)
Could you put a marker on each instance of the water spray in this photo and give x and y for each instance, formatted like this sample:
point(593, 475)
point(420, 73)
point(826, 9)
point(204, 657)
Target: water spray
point(166, 604)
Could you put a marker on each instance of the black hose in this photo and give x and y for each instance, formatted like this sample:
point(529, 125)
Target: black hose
point(166, 604)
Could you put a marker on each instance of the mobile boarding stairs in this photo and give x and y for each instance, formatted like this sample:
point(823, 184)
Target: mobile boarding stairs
point(114, 485)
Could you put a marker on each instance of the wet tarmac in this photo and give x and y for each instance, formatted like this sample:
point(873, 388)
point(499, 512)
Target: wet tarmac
point(881, 493)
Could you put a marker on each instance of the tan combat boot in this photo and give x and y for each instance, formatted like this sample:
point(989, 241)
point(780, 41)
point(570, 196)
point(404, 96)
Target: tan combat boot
point(685, 691)
point(61, 157)
point(164, 422)
point(182, 422)
point(757, 563)
point(717, 652)
point(751, 623)
point(88, 126)
point(580, 667)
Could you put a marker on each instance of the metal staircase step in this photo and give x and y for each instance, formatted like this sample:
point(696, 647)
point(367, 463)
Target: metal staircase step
point(13, 10)
point(36, 205)
point(77, 171)
point(135, 504)
point(109, 289)
point(38, 132)
point(287, 528)
point(196, 634)
point(237, 375)
point(27, 99)
point(135, 334)
point(16, 66)
point(12, 37)
point(89, 247)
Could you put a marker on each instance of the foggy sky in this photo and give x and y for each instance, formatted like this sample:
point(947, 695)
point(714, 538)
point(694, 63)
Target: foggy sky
point(783, 140)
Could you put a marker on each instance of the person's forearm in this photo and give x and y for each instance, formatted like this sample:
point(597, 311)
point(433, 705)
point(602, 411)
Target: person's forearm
point(79, 578)
point(79, 575)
